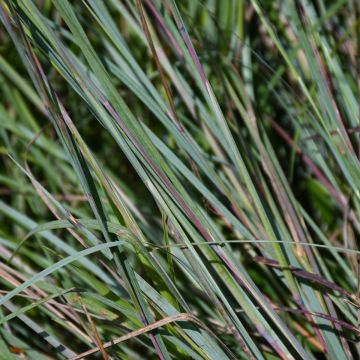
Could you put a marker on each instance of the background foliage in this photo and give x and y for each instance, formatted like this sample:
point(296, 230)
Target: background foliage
point(179, 179)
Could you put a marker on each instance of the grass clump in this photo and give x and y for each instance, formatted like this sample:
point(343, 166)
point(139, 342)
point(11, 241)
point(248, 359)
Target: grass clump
point(179, 179)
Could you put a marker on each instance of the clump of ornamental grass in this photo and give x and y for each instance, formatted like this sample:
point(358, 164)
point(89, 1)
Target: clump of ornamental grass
point(179, 179)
